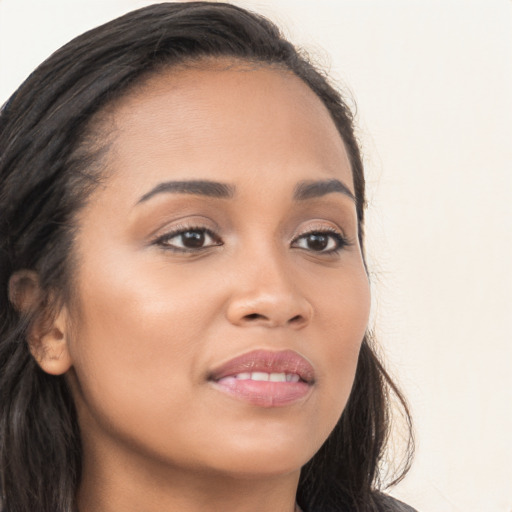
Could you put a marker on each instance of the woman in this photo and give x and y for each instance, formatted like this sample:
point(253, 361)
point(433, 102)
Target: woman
point(184, 294)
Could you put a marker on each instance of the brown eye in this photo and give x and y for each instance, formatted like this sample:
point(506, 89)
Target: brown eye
point(317, 241)
point(189, 240)
point(193, 239)
point(320, 241)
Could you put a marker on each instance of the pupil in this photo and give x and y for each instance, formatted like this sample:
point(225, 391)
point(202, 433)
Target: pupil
point(193, 239)
point(317, 242)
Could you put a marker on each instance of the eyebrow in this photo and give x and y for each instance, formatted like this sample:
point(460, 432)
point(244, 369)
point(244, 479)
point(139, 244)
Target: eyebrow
point(194, 187)
point(303, 190)
point(313, 189)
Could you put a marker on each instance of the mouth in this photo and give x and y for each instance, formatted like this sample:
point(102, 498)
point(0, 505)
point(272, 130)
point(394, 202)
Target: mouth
point(265, 378)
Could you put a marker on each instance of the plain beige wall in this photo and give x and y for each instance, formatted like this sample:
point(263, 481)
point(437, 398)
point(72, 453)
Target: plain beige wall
point(433, 85)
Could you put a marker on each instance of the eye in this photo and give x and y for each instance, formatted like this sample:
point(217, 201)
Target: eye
point(189, 239)
point(321, 241)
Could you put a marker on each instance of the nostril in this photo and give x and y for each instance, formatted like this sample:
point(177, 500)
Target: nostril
point(254, 316)
point(275, 318)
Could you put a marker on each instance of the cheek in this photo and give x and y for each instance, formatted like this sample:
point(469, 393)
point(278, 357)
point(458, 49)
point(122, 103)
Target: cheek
point(135, 342)
point(342, 315)
point(136, 308)
point(344, 308)
point(339, 326)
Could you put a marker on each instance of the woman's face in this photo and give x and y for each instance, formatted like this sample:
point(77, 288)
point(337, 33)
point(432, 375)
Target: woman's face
point(221, 297)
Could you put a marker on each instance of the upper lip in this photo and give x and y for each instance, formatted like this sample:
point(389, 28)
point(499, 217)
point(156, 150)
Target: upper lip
point(285, 361)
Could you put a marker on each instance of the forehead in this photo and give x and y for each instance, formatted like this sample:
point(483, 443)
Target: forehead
point(239, 121)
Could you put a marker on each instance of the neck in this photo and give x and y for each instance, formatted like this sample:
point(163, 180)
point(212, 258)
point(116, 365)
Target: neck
point(136, 485)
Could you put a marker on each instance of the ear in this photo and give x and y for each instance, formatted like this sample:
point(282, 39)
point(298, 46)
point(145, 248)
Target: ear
point(47, 335)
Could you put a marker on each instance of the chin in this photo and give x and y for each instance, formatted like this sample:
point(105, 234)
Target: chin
point(274, 456)
point(262, 467)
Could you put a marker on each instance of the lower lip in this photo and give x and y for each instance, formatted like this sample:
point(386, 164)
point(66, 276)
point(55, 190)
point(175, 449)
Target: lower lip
point(264, 393)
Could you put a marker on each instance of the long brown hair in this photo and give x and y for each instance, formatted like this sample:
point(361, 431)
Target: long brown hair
point(47, 169)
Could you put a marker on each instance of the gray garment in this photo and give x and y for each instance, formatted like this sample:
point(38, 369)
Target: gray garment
point(389, 504)
point(385, 503)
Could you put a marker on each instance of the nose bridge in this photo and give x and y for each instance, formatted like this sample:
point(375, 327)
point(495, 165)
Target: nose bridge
point(265, 292)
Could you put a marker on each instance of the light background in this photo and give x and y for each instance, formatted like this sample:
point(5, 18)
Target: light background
point(433, 85)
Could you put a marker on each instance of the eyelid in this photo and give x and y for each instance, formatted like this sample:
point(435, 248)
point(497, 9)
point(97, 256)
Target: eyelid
point(180, 229)
point(168, 221)
point(342, 241)
point(332, 232)
point(318, 226)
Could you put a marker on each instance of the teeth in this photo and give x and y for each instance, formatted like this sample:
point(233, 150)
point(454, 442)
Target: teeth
point(259, 376)
point(272, 377)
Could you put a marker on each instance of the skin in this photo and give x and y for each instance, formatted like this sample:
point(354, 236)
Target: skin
point(148, 324)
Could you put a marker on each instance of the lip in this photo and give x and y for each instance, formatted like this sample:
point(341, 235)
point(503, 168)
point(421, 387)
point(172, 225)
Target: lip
point(229, 378)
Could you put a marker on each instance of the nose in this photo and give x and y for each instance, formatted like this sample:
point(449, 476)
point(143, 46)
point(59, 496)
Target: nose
point(267, 295)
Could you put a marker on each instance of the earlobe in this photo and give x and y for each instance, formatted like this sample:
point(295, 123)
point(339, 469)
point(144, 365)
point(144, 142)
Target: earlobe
point(47, 334)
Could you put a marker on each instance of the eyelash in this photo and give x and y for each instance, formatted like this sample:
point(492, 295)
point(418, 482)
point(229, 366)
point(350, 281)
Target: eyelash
point(340, 240)
point(164, 239)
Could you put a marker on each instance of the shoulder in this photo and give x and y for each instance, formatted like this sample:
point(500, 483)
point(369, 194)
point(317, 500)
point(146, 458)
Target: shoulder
point(388, 504)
